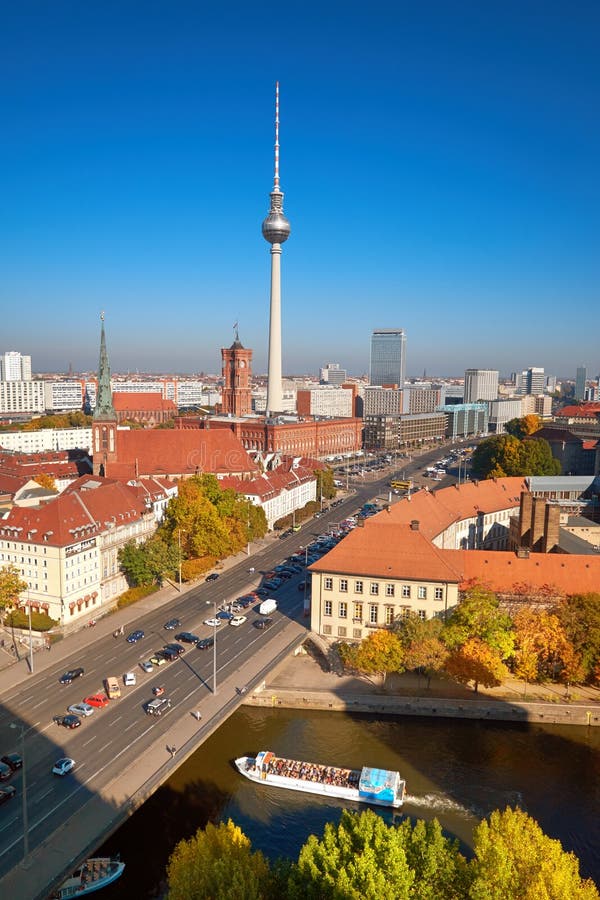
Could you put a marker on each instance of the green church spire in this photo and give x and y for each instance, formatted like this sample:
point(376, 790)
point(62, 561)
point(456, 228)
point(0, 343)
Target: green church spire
point(104, 405)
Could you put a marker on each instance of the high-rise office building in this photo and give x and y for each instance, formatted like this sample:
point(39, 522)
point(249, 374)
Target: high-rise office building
point(15, 367)
point(531, 381)
point(481, 384)
point(388, 356)
point(580, 380)
point(331, 373)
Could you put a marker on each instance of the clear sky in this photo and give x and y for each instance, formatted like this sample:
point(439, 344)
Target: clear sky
point(439, 161)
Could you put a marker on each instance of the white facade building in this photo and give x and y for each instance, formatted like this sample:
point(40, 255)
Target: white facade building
point(15, 367)
point(47, 439)
point(22, 397)
point(481, 384)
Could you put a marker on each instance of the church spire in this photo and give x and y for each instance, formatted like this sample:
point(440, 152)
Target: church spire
point(104, 405)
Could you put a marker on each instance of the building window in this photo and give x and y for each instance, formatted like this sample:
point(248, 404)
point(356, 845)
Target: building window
point(358, 587)
point(422, 592)
point(328, 608)
point(439, 593)
point(342, 631)
point(373, 613)
point(357, 633)
point(390, 590)
point(422, 613)
point(374, 588)
point(343, 610)
point(328, 584)
point(389, 615)
point(343, 585)
point(406, 591)
point(358, 611)
point(326, 629)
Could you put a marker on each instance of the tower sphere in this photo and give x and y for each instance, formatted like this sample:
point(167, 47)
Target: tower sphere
point(276, 228)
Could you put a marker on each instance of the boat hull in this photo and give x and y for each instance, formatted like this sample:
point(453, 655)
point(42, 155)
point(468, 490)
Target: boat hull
point(94, 875)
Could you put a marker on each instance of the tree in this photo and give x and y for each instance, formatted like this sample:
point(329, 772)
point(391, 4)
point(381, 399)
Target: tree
point(217, 863)
point(537, 459)
point(428, 656)
point(441, 871)
point(515, 860)
point(579, 615)
point(378, 654)
point(134, 563)
point(526, 425)
point(505, 455)
point(46, 481)
point(478, 616)
point(543, 646)
point(11, 586)
point(325, 486)
point(476, 661)
point(361, 858)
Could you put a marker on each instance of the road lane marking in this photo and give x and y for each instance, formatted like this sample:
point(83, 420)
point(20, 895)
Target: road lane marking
point(41, 797)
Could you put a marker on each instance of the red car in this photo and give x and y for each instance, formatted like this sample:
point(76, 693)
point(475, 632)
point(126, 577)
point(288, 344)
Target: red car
point(97, 700)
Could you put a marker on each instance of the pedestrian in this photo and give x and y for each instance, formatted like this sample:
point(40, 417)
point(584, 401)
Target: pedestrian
point(197, 715)
point(171, 750)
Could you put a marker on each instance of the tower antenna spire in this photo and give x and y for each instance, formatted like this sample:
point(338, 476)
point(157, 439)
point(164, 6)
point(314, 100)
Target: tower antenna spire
point(276, 181)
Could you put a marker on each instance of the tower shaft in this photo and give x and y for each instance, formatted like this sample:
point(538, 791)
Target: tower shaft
point(274, 387)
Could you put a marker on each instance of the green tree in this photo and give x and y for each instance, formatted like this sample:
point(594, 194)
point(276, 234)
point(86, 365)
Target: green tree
point(361, 858)
point(579, 615)
point(515, 860)
point(325, 485)
point(478, 615)
point(441, 871)
point(217, 863)
point(424, 651)
point(505, 455)
point(133, 560)
point(11, 586)
point(476, 661)
point(520, 427)
point(537, 459)
point(380, 653)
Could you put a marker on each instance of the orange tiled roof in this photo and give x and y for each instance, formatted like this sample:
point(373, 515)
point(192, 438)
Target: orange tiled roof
point(140, 401)
point(579, 410)
point(505, 571)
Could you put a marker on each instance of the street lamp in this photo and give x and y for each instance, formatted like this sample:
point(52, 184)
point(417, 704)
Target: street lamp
point(24, 795)
point(208, 602)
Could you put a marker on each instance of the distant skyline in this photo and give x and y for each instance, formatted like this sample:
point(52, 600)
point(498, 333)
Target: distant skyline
point(439, 163)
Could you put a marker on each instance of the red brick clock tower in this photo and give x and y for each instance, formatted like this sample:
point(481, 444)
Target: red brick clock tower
point(237, 370)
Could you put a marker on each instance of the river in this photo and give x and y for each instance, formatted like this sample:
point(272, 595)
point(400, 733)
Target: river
point(458, 771)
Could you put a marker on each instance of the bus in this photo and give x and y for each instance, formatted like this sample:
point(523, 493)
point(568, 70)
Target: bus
point(401, 485)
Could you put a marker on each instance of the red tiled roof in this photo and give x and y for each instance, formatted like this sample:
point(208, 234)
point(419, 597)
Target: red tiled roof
point(140, 401)
point(503, 570)
point(580, 410)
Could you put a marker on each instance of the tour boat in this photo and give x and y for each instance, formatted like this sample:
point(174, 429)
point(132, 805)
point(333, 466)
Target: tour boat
point(92, 875)
point(378, 786)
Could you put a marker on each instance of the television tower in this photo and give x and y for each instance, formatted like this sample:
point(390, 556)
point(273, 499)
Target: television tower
point(276, 229)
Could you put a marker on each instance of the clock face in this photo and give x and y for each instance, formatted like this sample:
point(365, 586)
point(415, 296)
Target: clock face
point(242, 364)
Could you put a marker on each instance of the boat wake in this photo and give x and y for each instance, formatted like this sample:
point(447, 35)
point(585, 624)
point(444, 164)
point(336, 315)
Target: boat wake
point(440, 802)
point(479, 808)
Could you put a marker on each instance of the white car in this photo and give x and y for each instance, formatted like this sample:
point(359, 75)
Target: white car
point(237, 620)
point(63, 766)
point(214, 623)
point(81, 709)
point(146, 666)
point(129, 679)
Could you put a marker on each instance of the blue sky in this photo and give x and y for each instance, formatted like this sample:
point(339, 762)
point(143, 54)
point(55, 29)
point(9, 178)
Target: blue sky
point(439, 161)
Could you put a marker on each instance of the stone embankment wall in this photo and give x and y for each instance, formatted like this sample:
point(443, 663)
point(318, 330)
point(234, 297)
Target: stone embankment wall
point(493, 710)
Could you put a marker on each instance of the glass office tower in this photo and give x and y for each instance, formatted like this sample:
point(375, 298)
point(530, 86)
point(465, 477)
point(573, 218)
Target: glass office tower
point(388, 356)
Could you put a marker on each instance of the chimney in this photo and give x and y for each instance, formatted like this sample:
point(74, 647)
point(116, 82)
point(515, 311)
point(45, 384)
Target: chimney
point(537, 523)
point(525, 519)
point(414, 525)
point(551, 528)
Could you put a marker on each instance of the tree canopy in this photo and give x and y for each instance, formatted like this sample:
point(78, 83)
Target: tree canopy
point(505, 455)
point(526, 425)
point(379, 654)
point(478, 615)
point(579, 615)
point(11, 586)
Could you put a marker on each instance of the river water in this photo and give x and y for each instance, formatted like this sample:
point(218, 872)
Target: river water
point(457, 771)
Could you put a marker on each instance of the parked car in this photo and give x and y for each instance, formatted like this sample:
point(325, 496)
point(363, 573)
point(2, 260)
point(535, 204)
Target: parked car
point(213, 622)
point(236, 621)
point(71, 675)
point(63, 766)
point(205, 643)
point(13, 760)
point(5, 772)
point(262, 623)
point(158, 658)
point(69, 721)
point(81, 709)
point(224, 614)
point(135, 636)
point(129, 679)
point(261, 592)
point(7, 793)
point(99, 701)
point(169, 654)
point(187, 637)
point(246, 601)
point(172, 624)
point(178, 648)
point(212, 577)
point(146, 666)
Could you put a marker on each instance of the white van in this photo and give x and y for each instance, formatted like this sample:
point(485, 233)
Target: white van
point(129, 679)
point(158, 706)
point(267, 607)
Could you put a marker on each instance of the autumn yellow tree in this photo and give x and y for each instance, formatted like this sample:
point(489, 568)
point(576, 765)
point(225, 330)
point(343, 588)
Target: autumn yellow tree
point(476, 661)
point(380, 653)
point(544, 652)
point(46, 481)
point(11, 586)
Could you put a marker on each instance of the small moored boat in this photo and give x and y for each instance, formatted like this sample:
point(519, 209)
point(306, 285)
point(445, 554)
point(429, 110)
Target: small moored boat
point(380, 787)
point(94, 874)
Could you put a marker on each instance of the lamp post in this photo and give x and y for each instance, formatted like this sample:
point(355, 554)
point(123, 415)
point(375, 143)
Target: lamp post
point(208, 602)
point(25, 862)
point(30, 636)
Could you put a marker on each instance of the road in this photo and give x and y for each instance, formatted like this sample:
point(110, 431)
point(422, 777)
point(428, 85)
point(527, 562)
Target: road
point(114, 738)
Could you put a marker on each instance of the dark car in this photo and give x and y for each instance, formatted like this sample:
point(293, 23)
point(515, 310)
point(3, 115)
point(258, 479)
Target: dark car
point(224, 614)
point(285, 534)
point(212, 577)
point(135, 636)
point(205, 643)
point(263, 623)
point(5, 772)
point(261, 592)
point(169, 654)
point(172, 624)
point(246, 601)
point(69, 721)
point(178, 648)
point(71, 675)
point(7, 793)
point(13, 761)
point(273, 584)
point(187, 637)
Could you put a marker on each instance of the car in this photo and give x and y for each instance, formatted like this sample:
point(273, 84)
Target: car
point(129, 679)
point(98, 701)
point(69, 721)
point(262, 623)
point(261, 592)
point(7, 793)
point(169, 654)
point(187, 637)
point(135, 636)
point(273, 584)
point(224, 614)
point(236, 621)
point(81, 709)
point(158, 659)
point(71, 675)
point(178, 648)
point(146, 666)
point(212, 577)
point(285, 534)
point(205, 643)
point(245, 601)
point(172, 624)
point(63, 766)
point(213, 622)
point(13, 761)
point(5, 772)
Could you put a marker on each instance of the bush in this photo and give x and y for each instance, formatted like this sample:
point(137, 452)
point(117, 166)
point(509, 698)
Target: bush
point(136, 593)
point(194, 568)
point(19, 618)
